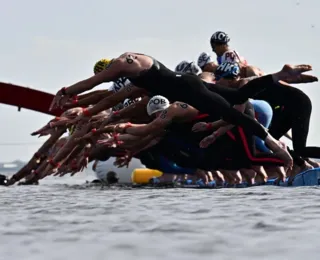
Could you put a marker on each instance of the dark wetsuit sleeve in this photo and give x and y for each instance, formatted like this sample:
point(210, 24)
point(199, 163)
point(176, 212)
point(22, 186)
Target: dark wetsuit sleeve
point(294, 111)
point(241, 95)
point(210, 102)
point(191, 89)
point(291, 110)
point(265, 159)
point(240, 151)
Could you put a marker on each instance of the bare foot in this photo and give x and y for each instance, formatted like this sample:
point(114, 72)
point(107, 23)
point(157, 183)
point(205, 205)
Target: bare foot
point(299, 79)
point(261, 172)
point(281, 172)
point(202, 175)
point(218, 177)
point(296, 69)
point(249, 175)
point(292, 74)
point(292, 173)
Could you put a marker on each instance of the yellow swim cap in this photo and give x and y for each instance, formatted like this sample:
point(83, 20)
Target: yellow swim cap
point(100, 65)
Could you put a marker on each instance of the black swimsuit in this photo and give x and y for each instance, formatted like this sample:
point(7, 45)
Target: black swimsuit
point(291, 110)
point(190, 89)
point(232, 151)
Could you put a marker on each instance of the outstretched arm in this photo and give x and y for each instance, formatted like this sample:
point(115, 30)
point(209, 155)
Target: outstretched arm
point(156, 126)
point(138, 108)
point(118, 68)
point(114, 99)
point(144, 144)
point(113, 72)
point(222, 130)
point(96, 92)
point(94, 98)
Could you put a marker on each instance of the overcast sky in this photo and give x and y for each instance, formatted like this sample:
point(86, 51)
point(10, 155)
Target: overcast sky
point(50, 44)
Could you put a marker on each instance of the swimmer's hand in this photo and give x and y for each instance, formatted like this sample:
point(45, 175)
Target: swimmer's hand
point(94, 133)
point(81, 165)
point(200, 127)
point(282, 145)
point(38, 133)
point(280, 149)
point(46, 130)
point(81, 118)
point(119, 128)
point(61, 171)
point(72, 112)
point(111, 118)
point(62, 121)
point(70, 103)
point(110, 128)
point(109, 142)
point(58, 101)
point(87, 136)
point(208, 140)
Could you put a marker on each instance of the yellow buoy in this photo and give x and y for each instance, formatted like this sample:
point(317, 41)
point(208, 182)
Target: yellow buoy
point(143, 175)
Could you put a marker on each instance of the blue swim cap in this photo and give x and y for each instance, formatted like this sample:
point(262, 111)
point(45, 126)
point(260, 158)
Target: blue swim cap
point(227, 70)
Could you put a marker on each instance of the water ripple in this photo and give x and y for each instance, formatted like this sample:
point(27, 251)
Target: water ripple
point(55, 221)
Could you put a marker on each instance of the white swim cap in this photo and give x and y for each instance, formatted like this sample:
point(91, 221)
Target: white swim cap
point(129, 101)
point(156, 104)
point(119, 84)
point(232, 56)
point(204, 59)
point(188, 67)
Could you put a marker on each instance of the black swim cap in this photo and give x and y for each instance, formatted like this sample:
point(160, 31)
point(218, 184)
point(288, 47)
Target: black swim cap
point(219, 38)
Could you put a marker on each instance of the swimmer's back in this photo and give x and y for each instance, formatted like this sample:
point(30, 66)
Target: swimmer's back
point(160, 80)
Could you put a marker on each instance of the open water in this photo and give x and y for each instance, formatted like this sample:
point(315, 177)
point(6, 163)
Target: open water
point(64, 219)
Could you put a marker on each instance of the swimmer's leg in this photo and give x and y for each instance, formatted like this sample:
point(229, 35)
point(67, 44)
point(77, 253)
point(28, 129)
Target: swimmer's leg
point(206, 101)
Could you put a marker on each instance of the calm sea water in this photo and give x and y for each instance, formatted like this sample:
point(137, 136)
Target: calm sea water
point(64, 219)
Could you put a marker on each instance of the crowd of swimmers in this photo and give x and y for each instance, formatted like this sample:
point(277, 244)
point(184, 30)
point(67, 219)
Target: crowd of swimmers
point(210, 120)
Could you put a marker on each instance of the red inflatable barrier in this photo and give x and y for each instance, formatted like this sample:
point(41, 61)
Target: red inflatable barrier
point(28, 98)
